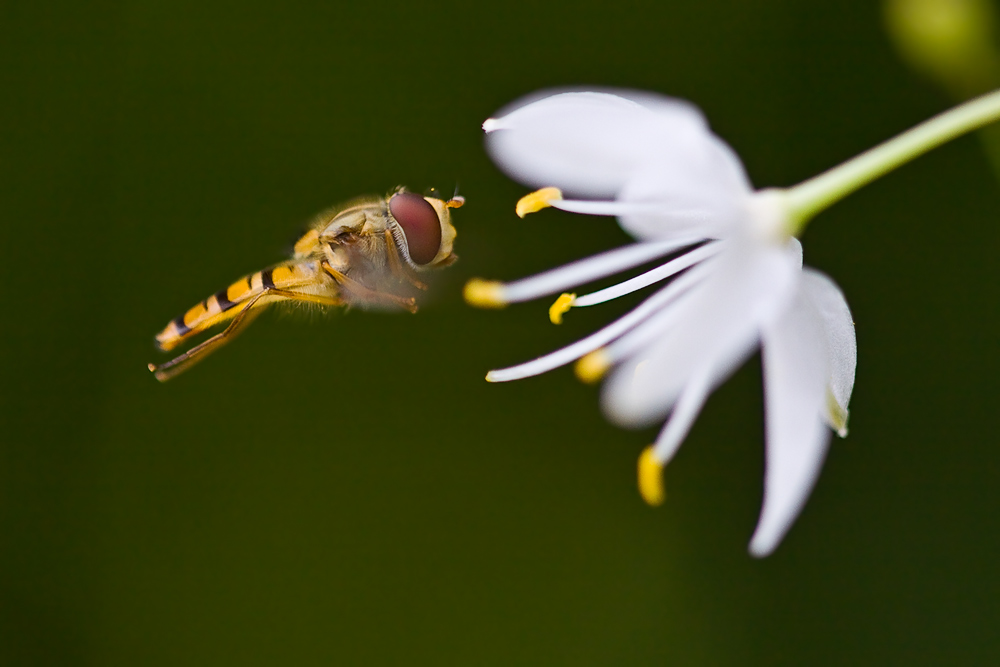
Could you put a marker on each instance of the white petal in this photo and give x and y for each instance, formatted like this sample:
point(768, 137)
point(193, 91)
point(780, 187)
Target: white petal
point(841, 344)
point(701, 190)
point(795, 374)
point(671, 313)
point(592, 143)
point(719, 323)
point(686, 410)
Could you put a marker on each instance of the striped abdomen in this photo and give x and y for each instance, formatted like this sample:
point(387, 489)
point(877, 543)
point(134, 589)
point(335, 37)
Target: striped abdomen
point(225, 304)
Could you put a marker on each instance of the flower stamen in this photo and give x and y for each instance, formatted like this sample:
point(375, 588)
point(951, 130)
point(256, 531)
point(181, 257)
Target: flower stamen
point(644, 311)
point(492, 294)
point(668, 315)
point(596, 340)
point(591, 367)
point(651, 478)
point(485, 293)
point(561, 307)
point(537, 200)
point(650, 277)
point(600, 207)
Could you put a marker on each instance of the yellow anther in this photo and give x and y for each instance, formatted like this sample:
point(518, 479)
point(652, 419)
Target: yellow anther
point(592, 367)
point(537, 200)
point(561, 307)
point(651, 478)
point(484, 293)
point(455, 202)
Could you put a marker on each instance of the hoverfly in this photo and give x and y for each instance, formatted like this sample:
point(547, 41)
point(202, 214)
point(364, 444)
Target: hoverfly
point(362, 253)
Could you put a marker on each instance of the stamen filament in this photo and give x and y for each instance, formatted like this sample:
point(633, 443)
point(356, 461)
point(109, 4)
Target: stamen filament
point(650, 277)
point(651, 328)
point(589, 269)
point(616, 207)
point(596, 340)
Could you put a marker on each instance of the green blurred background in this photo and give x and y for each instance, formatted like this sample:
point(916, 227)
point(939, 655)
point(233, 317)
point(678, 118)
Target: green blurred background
point(347, 489)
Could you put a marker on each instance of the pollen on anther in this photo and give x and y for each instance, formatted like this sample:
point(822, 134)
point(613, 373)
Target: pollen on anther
point(484, 293)
point(537, 200)
point(651, 478)
point(561, 307)
point(591, 367)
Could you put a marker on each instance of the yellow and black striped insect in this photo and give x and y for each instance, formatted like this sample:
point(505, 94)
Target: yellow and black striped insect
point(365, 253)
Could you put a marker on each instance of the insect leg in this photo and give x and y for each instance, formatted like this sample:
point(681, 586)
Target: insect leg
point(396, 265)
point(302, 296)
point(366, 294)
point(179, 364)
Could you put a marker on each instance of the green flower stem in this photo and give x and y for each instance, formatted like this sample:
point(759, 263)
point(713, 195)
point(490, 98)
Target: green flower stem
point(810, 197)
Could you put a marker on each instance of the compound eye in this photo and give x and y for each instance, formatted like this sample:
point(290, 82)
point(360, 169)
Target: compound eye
point(420, 224)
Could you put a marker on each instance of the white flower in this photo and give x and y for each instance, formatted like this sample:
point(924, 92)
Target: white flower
point(652, 162)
